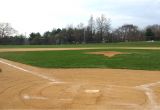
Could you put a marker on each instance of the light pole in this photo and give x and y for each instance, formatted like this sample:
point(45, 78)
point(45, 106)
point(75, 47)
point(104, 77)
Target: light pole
point(84, 36)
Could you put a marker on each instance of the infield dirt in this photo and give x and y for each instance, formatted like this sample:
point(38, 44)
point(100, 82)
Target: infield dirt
point(27, 87)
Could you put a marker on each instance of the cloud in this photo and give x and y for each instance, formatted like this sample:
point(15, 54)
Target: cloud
point(140, 12)
point(42, 15)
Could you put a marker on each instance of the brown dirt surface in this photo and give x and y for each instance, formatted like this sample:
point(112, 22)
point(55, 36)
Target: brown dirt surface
point(156, 90)
point(107, 53)
point(27, 87)
point(50, 49)
point(39, 49)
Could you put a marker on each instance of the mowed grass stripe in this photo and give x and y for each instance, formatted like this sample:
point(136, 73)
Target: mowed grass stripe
point(104, 45)
point(137, 59)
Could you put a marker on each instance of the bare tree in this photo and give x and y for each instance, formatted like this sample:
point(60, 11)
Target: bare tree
point(90, 30)
point(6, 30)
point(103, 27)
point(128, 32)
point(80, 26)
point(156, 30)
point(79, 33)
point(91, 25)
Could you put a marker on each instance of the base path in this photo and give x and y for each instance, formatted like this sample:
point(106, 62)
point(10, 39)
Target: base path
point(50, 49)
point(27, 87)
point(40, 49)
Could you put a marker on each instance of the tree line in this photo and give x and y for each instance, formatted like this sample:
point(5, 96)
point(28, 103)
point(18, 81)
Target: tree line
point(97, 31)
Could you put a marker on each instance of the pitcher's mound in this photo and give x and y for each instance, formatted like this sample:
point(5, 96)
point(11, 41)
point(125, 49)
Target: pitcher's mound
point(108, 53)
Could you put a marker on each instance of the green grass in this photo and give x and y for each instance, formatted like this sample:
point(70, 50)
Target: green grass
point(137, 59)
point(121, 44)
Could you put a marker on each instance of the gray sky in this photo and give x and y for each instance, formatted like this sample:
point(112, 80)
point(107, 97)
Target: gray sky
point(42, 15)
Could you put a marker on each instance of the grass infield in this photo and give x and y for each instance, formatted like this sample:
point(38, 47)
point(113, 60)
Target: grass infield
point(137, 59)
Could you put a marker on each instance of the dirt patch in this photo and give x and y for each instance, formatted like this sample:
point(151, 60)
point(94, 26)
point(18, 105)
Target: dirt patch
point(108, 53)
point(0, 70)
point(27, 87)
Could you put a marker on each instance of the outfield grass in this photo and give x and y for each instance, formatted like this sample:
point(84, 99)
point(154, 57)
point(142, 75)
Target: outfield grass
point(137, 59)
point(121, 44)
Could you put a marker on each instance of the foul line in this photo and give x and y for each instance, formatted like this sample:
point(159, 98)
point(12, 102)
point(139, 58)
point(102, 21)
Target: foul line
point(28, 71)
point(150, 94)
point(146, 87)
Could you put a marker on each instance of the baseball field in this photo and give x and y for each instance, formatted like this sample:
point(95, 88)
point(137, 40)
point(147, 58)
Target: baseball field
point(122, 76)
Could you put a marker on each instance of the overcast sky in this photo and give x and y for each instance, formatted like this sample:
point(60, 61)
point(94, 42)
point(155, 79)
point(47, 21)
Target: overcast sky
point(42, 15)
